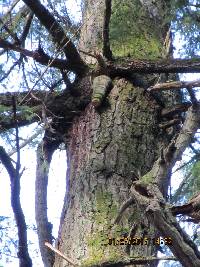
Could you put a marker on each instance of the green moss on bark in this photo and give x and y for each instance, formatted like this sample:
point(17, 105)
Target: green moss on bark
point(147, 178)
point(97, 242)
point(133, 32)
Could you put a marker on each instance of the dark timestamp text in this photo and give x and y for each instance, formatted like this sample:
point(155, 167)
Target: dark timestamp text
point(134, 240)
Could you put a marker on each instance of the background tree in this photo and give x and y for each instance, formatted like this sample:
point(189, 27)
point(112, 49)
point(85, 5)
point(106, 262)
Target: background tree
point(120, 112)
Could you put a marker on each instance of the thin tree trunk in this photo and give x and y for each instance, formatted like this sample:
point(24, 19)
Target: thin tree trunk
point(45, 151)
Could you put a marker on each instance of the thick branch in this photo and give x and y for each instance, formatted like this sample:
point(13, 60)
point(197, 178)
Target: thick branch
point(128, 67)
point(27, 114)
point(58, 35)
point(190, 209)
point(190, 126)
point(168, 124)
point(162, 168)
point(124, 206)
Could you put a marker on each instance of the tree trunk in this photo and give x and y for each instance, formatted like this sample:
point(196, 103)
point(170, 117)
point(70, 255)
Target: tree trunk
point(114, 145)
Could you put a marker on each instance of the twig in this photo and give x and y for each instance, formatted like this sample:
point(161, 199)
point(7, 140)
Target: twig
point(47, 244)
point(38, 132)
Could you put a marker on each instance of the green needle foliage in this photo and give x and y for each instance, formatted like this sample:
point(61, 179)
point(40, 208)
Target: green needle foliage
point(186, 21)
